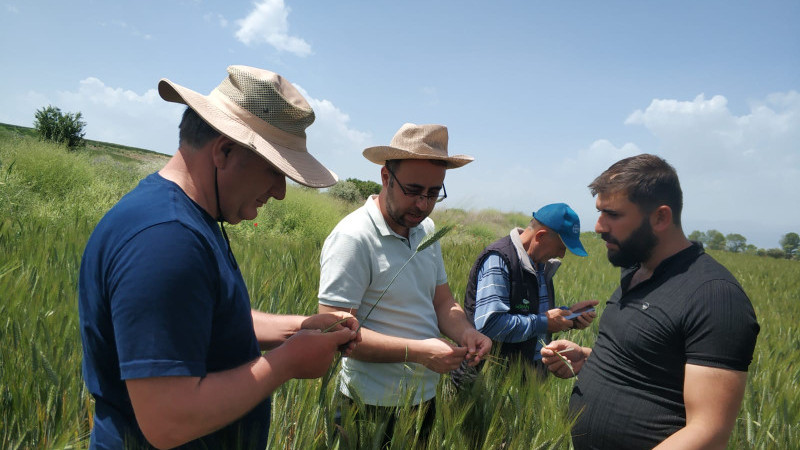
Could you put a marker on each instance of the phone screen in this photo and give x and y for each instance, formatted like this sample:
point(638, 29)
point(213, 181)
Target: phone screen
point(579, 312)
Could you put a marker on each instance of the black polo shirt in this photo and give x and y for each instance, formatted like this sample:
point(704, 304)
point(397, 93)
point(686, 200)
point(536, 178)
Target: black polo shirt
point(629, 394)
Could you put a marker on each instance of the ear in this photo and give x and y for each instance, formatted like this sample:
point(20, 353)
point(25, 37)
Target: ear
point(220, 149)
point(539, 235)
point(385, 177)
point(661, 218)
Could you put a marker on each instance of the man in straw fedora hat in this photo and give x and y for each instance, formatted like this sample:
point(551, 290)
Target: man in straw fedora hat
point(172, 350)
point(364, 253)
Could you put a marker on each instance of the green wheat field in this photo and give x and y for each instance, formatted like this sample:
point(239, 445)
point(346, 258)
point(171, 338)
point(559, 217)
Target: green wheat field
point(50, 200)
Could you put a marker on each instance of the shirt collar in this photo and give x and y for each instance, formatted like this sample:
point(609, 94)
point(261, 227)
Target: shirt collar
point(524, 258)
point(669, 265)
point(527, 263)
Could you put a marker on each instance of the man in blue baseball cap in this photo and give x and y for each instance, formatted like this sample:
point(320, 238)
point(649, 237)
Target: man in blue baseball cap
point(510, 295)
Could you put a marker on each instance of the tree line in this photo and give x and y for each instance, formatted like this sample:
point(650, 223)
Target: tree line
point(736, 243)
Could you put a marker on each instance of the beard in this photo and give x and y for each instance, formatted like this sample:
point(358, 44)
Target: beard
point(398, 216)
point(637, 248)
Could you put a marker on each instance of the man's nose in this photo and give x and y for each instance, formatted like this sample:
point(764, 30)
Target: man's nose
point(278, 190)
point(422, 202)
point(599, 226)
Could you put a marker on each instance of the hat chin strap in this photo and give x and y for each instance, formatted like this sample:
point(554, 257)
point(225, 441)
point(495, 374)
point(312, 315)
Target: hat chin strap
point(221, 219)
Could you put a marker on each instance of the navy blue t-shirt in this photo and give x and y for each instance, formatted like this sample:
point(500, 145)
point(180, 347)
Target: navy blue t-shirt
point(160, 295)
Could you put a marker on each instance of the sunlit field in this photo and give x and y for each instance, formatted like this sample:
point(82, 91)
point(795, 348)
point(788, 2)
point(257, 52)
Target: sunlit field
point(50, 200)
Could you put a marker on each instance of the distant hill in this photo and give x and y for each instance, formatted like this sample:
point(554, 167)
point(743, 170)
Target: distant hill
point(116, 151)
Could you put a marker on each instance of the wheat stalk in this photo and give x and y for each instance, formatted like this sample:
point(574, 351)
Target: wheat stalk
point(496, 360)
point(426, 242)
point(565, 360)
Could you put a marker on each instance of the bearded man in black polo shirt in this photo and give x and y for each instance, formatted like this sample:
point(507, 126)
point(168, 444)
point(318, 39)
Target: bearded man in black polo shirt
point(675, 339)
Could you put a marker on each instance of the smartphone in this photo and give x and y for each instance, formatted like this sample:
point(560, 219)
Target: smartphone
point(579, 312)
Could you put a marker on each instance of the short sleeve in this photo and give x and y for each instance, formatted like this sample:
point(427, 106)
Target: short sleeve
point(721, 327)
point(441, 272)
point(162, 285)
point(344, 271)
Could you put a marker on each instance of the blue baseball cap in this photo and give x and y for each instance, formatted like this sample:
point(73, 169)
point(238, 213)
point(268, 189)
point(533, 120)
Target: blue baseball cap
point(560, 218)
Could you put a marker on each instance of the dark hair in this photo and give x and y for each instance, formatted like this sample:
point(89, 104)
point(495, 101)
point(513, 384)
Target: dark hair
point(648, 180)
point(194, 131)
point(392, 164)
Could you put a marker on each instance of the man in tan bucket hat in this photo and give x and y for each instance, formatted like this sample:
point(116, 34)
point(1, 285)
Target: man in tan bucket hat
point(402, 352)
point(172, 350)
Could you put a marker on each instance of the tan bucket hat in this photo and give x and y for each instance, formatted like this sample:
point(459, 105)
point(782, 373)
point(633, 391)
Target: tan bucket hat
point(417, 142)
point(262, 111)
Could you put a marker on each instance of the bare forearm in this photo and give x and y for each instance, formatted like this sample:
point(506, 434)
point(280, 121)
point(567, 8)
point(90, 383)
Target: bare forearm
point(376, 347)
point(175, 410)
point(272, 329)
point(380, 348)
point(700, 438)
point(452, 320)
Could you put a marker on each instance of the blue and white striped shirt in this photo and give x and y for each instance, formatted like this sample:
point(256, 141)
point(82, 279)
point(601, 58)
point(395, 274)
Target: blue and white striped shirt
point(492, 302)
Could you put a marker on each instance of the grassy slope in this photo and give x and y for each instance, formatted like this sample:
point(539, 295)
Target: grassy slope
point(50, 200)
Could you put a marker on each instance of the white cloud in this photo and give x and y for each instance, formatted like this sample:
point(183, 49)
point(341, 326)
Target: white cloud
point(123, 116)
point(736, 170)
point(536, 181)
point(707, 132)
point(739, 173)
point(334, 141)
point(12, 9)
point(268, 23)
point(143, 119)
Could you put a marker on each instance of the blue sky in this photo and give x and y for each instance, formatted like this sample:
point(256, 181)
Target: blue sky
point(544, 94)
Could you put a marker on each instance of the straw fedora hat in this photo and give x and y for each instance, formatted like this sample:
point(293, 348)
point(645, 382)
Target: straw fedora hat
point(417, 142)
point(262, 111)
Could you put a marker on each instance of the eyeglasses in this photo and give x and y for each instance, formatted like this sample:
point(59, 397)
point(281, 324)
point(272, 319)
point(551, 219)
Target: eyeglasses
point(433, 194)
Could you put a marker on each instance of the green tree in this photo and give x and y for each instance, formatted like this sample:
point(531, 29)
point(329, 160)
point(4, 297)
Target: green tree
point(790, 242)
point(65, 128)
point(365, 188)
point(698, 236)
point(345, 190)
point(716, 240)
point(736, 242)
point(776, 253)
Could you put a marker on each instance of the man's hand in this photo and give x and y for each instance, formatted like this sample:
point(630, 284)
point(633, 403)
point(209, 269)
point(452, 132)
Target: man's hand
point(568, 350)
point(313, 351)
point(477, 345)
point(585, 319)
point(556, 320)
point(173, 410)
point(438, 355)
point(335, 321)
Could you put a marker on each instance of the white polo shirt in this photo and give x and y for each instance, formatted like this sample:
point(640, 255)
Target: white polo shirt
point(358, 261)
